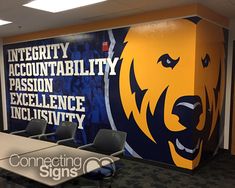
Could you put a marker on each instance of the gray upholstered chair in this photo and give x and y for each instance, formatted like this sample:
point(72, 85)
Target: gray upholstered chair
point(108, 142)
point(64, 132)
point(35, 128)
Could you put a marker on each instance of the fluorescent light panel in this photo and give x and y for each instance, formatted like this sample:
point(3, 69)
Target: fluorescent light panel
point(4, 22)
point(59, 5)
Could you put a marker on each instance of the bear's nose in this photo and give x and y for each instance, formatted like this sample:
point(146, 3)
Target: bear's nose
point(188, 109)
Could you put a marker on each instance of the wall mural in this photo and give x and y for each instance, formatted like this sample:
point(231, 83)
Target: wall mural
point(162, 83)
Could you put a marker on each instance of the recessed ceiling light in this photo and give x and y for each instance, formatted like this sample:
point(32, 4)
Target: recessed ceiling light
point(4, 22)
point(59, 5)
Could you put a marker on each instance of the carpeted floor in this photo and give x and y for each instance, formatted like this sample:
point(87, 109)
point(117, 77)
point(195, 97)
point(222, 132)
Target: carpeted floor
point(218, 173)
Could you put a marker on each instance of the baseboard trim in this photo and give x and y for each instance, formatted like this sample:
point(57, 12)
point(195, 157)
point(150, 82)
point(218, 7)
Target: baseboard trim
point(173, 167)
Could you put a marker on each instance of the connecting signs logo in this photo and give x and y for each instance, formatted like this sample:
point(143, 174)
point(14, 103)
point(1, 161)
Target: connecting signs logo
point(60, 166)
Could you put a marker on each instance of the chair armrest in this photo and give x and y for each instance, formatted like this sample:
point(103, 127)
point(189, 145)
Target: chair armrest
point(64, 140)
point(84, 146)
point(35, 136)
point(48, 134)
point(15, 132)
point(118, 153)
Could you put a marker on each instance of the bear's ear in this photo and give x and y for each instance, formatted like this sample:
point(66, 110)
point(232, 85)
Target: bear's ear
point(194, 19)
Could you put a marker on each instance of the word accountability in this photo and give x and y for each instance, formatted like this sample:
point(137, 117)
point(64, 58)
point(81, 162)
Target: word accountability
point(64, 68)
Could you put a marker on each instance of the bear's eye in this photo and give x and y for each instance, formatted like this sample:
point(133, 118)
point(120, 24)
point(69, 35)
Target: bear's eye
point(206, 60)
point(167, 61)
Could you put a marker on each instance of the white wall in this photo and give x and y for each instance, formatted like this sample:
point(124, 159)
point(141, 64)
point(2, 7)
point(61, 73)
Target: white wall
point(228, 83)
point(2, 84)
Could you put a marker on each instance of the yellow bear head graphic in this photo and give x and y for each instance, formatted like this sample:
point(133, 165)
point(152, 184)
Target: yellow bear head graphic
point(181, 63)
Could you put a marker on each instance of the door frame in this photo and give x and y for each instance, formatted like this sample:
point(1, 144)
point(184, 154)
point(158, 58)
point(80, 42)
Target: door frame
point(1, 112)
point(232, 106)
